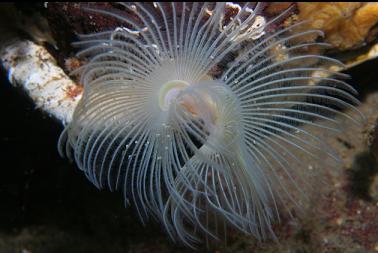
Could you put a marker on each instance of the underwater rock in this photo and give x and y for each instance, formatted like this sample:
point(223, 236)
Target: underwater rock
point(346, 25)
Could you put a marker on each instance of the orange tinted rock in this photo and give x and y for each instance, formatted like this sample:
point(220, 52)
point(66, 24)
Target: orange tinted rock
point(346, 25)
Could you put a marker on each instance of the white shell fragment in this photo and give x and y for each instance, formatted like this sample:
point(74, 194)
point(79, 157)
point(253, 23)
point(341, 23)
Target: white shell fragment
point(31, 67)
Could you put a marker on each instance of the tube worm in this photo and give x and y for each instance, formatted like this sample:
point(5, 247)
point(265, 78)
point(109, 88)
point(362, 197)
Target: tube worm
point(198, 116)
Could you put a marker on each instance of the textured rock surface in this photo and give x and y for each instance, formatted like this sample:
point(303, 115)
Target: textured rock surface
point(346, 25)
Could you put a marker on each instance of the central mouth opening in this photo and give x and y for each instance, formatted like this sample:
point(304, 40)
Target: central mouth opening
point(169, 92)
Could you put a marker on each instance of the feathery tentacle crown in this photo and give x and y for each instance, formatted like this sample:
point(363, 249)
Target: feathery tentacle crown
point(198, 116)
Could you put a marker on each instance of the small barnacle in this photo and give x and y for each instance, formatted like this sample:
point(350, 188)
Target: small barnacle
point(202, 125)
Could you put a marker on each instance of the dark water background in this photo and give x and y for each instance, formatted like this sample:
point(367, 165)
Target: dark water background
point(45, 201)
